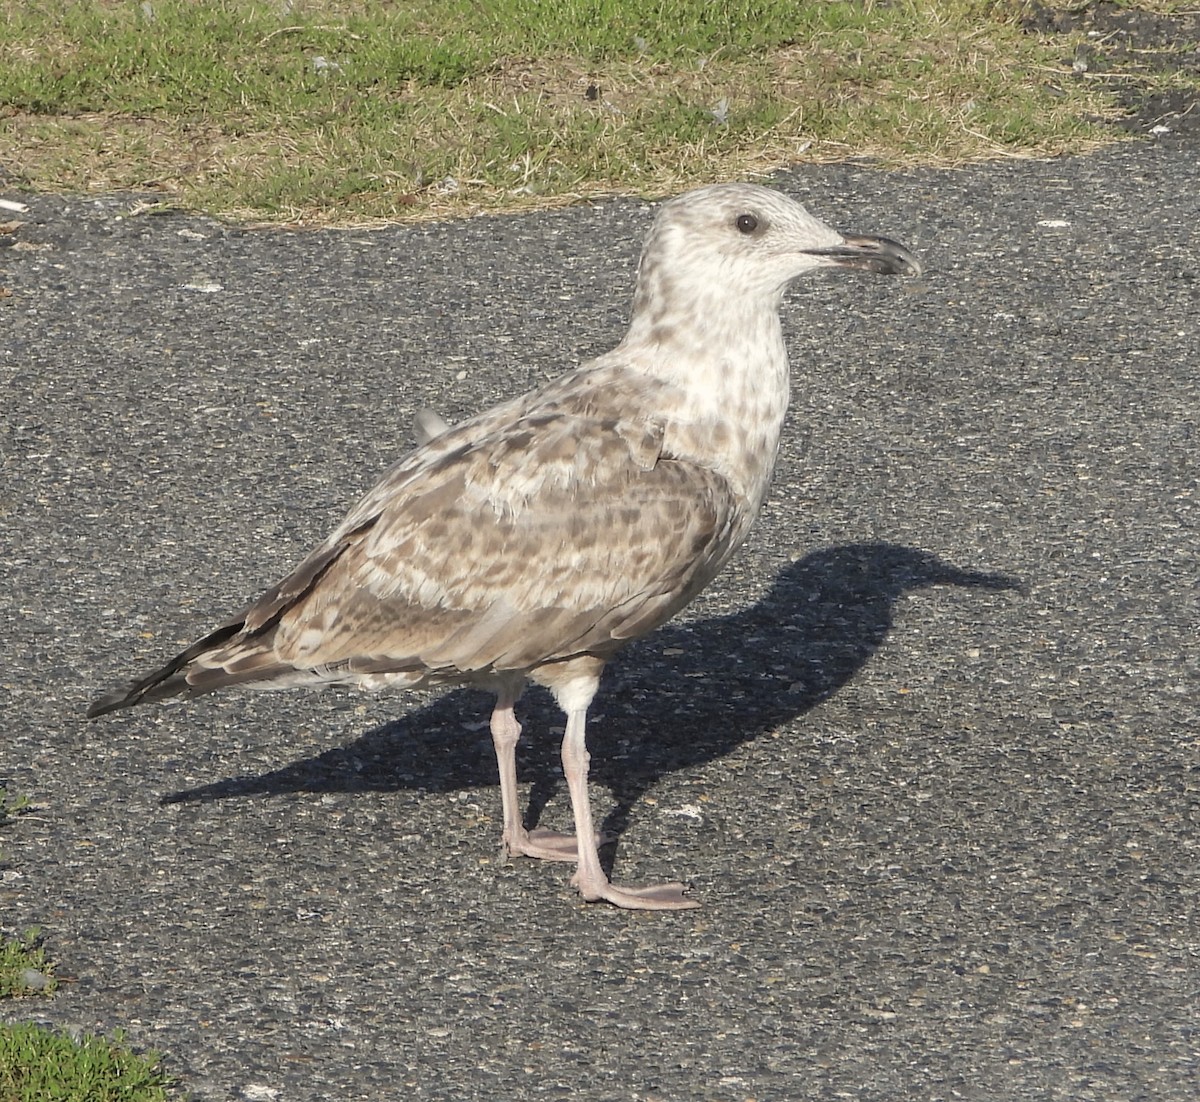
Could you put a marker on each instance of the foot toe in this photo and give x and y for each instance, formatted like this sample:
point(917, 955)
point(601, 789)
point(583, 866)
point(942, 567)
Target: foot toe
point(648, 897)
point(548, 845)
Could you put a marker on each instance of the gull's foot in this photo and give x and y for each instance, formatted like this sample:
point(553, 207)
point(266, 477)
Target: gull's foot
point(651, 897)
point(548, 845)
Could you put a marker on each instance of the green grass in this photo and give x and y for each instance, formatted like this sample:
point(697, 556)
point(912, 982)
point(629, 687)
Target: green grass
point(37, 1065)
point(24, 969)
point(332, 111)
point(31, 1059)
point(40, 1065)
point(11, 806)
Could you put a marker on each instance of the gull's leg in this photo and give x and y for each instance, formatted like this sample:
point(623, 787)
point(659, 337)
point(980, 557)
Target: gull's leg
point(590, 878)
point(519, 842)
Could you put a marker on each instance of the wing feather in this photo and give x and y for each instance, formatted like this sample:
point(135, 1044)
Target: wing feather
point(548, 526)
point(526, 559)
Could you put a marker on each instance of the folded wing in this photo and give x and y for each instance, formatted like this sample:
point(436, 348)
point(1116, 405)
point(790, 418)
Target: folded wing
point(508, 542)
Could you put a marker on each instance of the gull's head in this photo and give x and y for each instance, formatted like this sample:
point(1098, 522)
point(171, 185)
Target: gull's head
point(745, 240)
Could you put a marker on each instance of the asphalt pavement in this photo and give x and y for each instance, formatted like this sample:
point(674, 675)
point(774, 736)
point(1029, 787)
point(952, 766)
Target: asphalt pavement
point(928, 751)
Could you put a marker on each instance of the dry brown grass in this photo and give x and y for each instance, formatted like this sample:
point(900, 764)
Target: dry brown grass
point(547, 130)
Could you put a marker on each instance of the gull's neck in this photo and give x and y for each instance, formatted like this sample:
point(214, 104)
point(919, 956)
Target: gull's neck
point(723, 355)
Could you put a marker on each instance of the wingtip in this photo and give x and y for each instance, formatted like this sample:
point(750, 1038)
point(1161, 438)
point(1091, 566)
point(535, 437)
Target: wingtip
point(110, 702)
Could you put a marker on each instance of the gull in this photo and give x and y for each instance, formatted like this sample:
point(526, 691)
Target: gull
point(532, 541)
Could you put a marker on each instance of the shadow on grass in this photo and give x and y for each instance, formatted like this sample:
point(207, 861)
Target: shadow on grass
point(686, 695)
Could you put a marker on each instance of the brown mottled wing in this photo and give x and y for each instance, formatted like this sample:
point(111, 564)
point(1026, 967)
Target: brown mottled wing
point(552, 534)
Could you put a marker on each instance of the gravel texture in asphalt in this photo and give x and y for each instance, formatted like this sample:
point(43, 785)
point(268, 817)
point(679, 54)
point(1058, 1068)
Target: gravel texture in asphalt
point(927, 751)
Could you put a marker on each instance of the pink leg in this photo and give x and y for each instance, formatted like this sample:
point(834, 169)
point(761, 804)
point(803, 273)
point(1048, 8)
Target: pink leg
point(519, 842)
point(590, 879)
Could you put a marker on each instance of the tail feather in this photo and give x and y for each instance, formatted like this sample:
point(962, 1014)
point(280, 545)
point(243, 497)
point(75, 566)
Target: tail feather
point(170, 680)
point(256, 622)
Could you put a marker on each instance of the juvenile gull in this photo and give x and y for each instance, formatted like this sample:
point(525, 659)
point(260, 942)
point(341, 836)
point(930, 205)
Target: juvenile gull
point(532, 541)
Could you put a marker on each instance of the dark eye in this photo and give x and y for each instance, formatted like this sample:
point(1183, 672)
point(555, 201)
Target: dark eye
point(746, 223)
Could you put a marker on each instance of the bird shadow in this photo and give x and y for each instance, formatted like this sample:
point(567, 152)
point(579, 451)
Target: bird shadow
point(688, 694)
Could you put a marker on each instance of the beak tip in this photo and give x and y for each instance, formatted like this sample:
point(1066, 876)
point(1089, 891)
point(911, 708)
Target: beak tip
point(874, 254)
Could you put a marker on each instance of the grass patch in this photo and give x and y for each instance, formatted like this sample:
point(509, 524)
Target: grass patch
point(11, 806)
point(335, 111)
point(37, 1065)
point(24, 969)
point(41, 1065)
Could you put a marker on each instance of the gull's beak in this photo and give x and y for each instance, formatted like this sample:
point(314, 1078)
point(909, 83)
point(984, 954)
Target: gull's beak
point(871, 254)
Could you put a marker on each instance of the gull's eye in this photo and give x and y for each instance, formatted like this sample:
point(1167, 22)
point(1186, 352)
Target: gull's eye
point(746, 223)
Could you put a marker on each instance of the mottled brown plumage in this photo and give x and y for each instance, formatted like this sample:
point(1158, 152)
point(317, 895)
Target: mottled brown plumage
point(535, 539)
